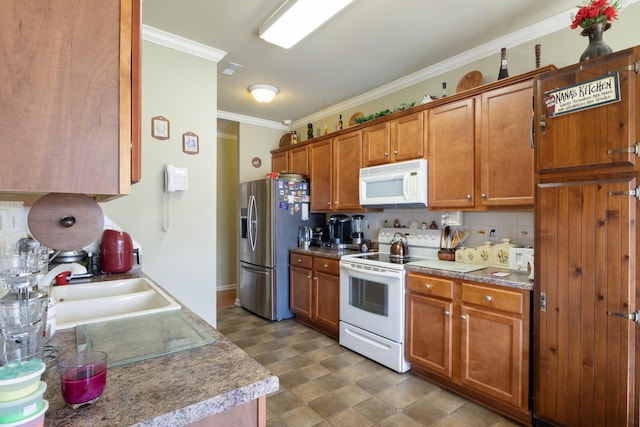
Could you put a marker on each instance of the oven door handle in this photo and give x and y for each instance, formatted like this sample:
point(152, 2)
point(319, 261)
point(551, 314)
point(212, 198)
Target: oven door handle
point(384, 273)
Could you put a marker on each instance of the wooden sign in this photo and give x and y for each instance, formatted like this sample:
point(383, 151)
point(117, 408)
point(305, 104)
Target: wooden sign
point(584, 95)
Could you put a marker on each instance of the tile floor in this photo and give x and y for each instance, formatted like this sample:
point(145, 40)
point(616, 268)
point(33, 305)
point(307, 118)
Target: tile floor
point(323, 384)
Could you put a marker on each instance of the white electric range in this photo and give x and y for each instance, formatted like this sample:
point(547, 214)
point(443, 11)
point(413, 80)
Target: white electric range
point(372, 296)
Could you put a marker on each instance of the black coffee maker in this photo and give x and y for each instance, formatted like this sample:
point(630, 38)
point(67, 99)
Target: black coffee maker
point(339, 230)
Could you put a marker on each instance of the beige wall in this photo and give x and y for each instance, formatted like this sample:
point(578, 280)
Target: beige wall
point(256, 141)
point(560, 48)
point(182, 88)
point(227, 218)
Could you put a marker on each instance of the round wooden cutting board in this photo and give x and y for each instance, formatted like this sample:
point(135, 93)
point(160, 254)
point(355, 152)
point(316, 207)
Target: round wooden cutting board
point(66, 222)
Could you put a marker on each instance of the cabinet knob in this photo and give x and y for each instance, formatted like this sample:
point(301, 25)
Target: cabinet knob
point(463, 317)
point(427, 286)
point(446, 312)
point(308, 277)
point(386, 154)
point(326, 265)
point(299, 260)
point(488, 298)
point(395, 151)
point(468, 196)
point(484, 196)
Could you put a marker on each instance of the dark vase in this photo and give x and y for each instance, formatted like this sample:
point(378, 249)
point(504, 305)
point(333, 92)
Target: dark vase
point(596, 46)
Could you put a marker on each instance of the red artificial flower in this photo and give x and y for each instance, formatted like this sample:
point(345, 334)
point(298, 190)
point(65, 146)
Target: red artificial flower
point(595, 11)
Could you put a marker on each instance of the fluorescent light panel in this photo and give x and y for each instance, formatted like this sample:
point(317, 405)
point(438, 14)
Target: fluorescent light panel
point(296, 19)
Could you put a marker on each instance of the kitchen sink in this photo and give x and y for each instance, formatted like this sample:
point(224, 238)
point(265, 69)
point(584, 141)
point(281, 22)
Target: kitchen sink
point(93, 302)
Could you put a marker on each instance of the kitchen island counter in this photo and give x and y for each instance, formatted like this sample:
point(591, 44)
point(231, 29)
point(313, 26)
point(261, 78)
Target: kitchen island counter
point(190, 386)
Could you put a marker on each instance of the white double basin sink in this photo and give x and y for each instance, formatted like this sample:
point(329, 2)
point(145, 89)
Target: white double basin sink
point(79, 304)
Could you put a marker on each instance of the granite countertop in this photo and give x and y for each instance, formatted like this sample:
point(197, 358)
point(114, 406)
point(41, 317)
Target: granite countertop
point(172, 390)
point(515, 279)
point(323, 252)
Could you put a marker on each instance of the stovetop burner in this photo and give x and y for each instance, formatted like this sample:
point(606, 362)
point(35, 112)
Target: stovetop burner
point(382, 257)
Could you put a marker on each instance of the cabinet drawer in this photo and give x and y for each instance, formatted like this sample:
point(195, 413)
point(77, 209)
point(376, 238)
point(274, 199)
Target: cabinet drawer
point(303, 261)
point(326, 265)
point(499, 299)
point(428, 285)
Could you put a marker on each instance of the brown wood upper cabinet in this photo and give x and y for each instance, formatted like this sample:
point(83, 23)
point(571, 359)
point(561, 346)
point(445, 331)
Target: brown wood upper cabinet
point(334, 170)
point(394, 141)
point(605, 136)
point(71, 122)
point(480, 150)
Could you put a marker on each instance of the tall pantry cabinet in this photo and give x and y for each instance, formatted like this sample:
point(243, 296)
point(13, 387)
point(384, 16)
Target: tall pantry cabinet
point(585, 293)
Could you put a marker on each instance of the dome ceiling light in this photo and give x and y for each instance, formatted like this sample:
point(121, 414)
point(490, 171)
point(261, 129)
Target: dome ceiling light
point(263, 92)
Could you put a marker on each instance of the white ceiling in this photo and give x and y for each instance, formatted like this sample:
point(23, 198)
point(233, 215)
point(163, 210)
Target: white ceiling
point(369, 44)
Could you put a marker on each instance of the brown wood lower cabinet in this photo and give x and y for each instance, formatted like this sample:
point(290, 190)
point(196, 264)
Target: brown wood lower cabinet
point(472, 338)
point(315, 292)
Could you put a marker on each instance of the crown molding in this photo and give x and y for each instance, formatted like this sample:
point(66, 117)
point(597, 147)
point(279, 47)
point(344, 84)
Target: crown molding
point(532, 32)
point(181, 44)
point(251, 120)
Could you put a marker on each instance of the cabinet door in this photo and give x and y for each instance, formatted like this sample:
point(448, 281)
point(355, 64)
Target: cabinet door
point(430, 346)
point(377, 144)
point(279, 162)
point(408, 137)
point(585, 267)
point(298, 160)
point(451, 130)
point(585, 138)
point(327, 300)
point(300, 291)
point(347, 161)
point(506, 152)
point(492, 361)
point(67, 70)
point(321, 175)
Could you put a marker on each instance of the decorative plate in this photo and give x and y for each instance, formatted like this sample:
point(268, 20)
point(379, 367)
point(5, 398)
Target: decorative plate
point(352, 120)
point(469, 81)
point(285, 140)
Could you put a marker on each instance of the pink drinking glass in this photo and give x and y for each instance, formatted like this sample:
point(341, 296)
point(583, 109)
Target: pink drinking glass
point(83, 377)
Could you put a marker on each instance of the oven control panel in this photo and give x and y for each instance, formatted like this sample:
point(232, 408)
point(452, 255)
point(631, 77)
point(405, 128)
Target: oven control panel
point(415, 237)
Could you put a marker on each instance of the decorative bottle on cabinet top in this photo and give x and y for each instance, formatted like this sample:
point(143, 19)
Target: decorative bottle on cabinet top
point(504, 72)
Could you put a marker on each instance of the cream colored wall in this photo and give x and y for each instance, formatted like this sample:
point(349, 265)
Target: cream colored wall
point(560, 48)
point(182, 88)
point(227, 218)
point(256, 141)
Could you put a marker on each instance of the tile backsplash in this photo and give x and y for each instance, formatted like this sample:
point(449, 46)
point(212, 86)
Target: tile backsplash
point(483, 226)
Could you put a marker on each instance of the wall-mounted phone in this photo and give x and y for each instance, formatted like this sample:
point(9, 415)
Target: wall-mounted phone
point(176, 179)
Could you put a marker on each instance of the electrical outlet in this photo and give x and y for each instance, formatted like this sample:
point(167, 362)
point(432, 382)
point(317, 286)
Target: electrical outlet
point(494, 233)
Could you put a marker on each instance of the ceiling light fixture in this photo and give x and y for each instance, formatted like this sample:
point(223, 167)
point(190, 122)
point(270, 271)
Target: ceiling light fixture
point(296, 19)
point(263, 92)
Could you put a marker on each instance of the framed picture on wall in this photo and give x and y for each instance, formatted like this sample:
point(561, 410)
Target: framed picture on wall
point(190, 144)
point(159, 127)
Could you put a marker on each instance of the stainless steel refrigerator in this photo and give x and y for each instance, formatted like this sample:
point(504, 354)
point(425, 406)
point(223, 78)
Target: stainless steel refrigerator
point(271, 211)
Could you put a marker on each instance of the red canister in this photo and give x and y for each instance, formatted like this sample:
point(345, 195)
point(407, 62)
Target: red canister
point(116, 252)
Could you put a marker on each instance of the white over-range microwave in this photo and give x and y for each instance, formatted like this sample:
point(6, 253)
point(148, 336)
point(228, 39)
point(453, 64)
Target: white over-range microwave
point(396, 185)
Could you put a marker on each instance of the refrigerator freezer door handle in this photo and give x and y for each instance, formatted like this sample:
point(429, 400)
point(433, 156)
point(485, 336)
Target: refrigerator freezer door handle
point(253, 222)
point(255, 270)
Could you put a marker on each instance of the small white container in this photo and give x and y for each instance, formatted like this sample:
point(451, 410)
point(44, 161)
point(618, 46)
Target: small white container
point(19, 409)
point(35, 420)
point(18, 384)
